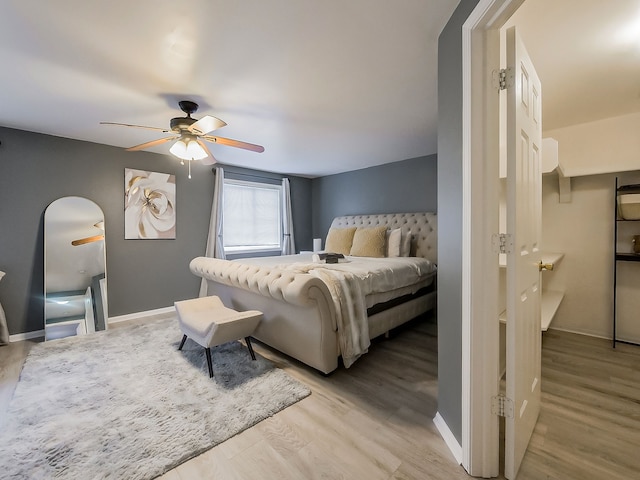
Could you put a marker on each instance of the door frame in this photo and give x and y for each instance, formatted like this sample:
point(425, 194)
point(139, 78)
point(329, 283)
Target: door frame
point(480, 205)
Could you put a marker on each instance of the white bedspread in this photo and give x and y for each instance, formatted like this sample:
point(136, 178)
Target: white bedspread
point(349, 282)
point(378, 274)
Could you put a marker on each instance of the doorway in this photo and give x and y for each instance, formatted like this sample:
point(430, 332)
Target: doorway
point(481, 187)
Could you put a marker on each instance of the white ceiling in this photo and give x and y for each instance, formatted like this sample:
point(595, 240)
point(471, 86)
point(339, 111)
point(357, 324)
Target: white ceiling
point(325, 86)
point(587, 54)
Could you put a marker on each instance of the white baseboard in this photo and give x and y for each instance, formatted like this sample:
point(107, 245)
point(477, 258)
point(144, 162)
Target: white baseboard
point(449, 437)
point(138, 315)
point(595, 335)
point(19, 337)
point(578, 332)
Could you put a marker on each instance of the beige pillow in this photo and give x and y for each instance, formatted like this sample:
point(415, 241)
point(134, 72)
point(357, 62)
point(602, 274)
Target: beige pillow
point(394, 239)
point(369, 242)
point(405, 248)
point(339, 240)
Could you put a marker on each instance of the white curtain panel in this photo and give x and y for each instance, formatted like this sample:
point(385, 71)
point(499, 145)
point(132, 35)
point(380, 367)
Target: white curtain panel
point(288, 242)
point(215, 243)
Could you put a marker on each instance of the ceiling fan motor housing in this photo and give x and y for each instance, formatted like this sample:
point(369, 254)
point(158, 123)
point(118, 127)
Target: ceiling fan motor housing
point(179, 124)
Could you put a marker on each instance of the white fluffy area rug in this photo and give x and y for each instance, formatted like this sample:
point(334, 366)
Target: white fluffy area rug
point(126, 404)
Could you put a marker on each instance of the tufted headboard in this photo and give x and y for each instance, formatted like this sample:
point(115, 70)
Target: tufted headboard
point(421, 226)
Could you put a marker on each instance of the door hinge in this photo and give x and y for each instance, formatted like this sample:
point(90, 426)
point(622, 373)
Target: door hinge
point(502, 406)
point(502, 243)
point(503, 78)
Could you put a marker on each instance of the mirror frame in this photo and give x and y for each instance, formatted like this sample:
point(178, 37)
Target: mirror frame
point(75, 274)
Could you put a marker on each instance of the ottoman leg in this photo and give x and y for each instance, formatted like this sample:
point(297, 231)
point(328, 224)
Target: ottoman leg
point(208, 352)
point(250, 347)
point(184, 339)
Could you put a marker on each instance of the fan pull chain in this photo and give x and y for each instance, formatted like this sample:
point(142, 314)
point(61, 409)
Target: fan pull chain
point(189, 169)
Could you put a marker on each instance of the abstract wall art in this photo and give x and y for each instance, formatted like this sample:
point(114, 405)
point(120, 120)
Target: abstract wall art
point(149, 205)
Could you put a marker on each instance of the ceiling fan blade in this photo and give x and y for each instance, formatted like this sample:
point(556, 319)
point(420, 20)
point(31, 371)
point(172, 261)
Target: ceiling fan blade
point(166, 130)
point(205, 125)
point(83, 241)
point(210, 160)
point(150, 144)
point(234, 143)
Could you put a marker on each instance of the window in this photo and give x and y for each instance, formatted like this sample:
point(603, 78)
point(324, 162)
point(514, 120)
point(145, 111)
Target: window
point(252, 216)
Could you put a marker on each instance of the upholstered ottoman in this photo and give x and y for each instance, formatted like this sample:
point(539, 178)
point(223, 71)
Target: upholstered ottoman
point(209, 323)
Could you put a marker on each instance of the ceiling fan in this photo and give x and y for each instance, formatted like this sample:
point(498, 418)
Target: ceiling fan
point(188, 134)
point(92, 238)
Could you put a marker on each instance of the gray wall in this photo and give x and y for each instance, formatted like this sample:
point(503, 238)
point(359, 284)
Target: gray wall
point(37, 169)
point(450, 219)
point(406, 186)
point(142, 275)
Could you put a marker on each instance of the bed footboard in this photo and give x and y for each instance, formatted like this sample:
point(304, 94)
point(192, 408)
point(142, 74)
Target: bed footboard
point(299, 316)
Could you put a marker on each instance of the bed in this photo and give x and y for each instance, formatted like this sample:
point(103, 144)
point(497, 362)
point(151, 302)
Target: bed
point(318, 313)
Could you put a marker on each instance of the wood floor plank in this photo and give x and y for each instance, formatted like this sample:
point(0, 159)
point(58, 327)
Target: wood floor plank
point(347, 444)
point(240, 442)
point(317, 464)
point(12, 358)
point(262, 461)
point(212, 465)
point(588, 426)
point(284, 437)
point(375, 419)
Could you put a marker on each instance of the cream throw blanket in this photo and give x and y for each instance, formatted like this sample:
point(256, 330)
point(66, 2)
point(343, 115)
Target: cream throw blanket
point(351, 310)
point(349, 283)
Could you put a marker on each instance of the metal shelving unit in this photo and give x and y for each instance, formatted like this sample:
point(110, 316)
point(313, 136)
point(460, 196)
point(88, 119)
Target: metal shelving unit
point(619, 257)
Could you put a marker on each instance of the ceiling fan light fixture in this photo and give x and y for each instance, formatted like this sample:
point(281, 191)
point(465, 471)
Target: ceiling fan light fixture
point(187, 148)
point(192, 136)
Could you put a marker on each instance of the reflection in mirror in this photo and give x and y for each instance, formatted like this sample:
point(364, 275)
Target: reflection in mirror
point(75, 281)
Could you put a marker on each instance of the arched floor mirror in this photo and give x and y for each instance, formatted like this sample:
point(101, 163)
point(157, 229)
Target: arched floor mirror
point(75, 281)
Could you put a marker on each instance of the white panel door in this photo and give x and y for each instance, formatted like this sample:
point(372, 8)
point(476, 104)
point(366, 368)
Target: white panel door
point(524, 210)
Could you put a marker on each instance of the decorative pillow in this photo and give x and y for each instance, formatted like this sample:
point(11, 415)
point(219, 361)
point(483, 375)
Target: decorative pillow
point(394, 239)
point(369, 242)
point(405, 248)
point(339, 240)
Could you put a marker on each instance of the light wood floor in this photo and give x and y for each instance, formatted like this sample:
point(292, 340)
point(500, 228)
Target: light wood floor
point(589, 424)
point(374, 420)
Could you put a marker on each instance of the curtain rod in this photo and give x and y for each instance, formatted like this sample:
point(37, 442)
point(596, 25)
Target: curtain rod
point(252, 175)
